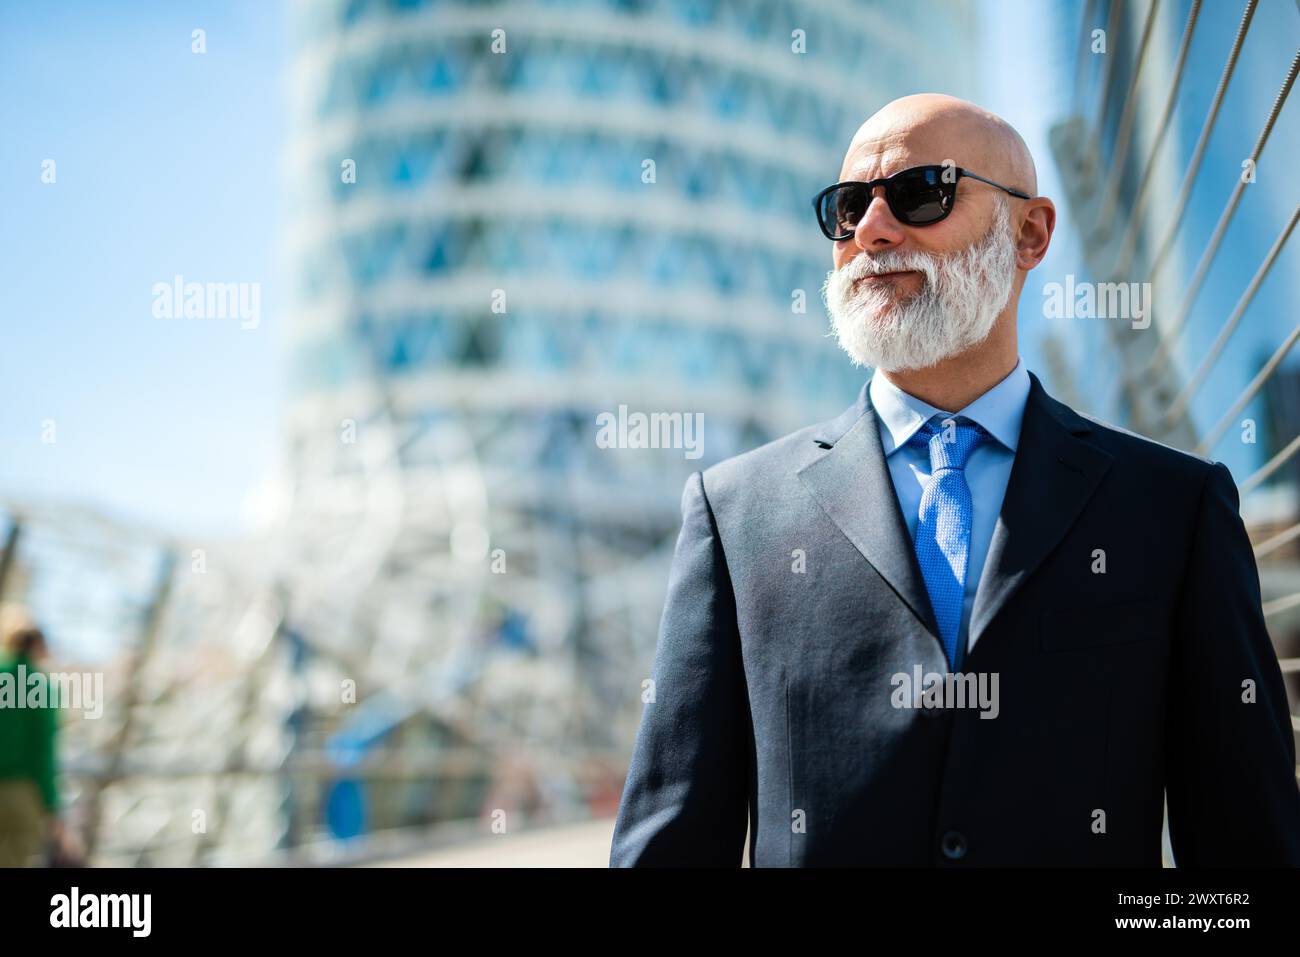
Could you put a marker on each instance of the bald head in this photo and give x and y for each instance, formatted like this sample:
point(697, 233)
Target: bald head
point(933, 128)
point(933, 301)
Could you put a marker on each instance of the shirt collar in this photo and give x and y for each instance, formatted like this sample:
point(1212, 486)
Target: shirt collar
point(999, 410)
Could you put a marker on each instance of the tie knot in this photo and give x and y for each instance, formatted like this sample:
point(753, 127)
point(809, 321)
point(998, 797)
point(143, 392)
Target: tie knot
point(950, 441)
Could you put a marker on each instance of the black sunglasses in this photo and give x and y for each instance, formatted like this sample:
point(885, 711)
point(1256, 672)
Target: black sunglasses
point(918, 196)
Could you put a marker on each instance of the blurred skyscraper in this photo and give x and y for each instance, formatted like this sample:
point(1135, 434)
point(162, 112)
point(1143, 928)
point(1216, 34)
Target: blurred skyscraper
point(509, 219)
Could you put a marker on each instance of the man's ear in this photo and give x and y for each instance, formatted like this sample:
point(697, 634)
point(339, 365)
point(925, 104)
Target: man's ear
point(1035, 233)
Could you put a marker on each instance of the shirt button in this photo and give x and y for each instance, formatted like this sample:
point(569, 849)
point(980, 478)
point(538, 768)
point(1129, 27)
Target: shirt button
point(954, 845)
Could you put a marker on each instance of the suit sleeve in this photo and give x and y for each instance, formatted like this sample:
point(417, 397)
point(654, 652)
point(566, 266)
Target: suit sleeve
point(685, 799)
point(1230, 772)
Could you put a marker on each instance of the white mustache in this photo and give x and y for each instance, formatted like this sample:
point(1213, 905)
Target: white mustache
point(891, 260)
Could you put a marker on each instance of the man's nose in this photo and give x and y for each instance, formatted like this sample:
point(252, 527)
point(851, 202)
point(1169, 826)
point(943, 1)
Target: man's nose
point(878, 229)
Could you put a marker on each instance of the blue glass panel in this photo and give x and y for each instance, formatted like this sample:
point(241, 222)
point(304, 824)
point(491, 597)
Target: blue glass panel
point(695, 12)
point(445, 74)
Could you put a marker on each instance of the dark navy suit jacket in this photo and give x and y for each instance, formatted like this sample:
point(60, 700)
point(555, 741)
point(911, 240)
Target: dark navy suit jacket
point(774, 700)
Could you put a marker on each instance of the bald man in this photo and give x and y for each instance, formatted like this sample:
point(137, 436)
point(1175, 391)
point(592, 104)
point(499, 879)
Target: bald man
point(959, 624)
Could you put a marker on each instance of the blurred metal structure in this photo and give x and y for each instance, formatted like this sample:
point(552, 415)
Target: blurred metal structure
point(169, 765)
point(1118, 162)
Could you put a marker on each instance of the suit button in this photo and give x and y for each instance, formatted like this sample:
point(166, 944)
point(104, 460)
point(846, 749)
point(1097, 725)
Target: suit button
point(954, 845)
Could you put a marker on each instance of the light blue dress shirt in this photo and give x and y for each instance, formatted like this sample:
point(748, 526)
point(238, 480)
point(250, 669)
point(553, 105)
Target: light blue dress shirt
point(1000, 411)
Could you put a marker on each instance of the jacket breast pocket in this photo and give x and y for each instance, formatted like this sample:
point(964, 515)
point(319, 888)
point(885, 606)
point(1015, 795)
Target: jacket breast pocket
point(1093, 626)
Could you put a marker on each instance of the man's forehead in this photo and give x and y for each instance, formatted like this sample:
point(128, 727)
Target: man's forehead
point(884, 156)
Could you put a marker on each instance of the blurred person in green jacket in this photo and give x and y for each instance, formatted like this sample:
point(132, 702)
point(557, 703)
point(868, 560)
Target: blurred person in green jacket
point(29, 796)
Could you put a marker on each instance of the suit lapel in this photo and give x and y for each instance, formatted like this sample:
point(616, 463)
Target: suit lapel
point(852, 484)
point(1053, 476)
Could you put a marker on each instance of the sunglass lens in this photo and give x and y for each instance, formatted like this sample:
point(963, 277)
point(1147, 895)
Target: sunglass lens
point(921, 196)
point(841, 209)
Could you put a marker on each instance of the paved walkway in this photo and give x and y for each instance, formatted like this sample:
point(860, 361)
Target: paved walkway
point(572, 845)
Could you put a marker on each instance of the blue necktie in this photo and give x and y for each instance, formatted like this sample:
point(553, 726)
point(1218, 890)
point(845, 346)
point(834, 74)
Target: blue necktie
point(943, 523)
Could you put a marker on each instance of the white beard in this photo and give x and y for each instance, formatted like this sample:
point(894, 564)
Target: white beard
point(961, 295)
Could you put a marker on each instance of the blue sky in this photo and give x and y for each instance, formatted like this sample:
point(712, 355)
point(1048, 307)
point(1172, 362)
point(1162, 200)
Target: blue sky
point(167, 162)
